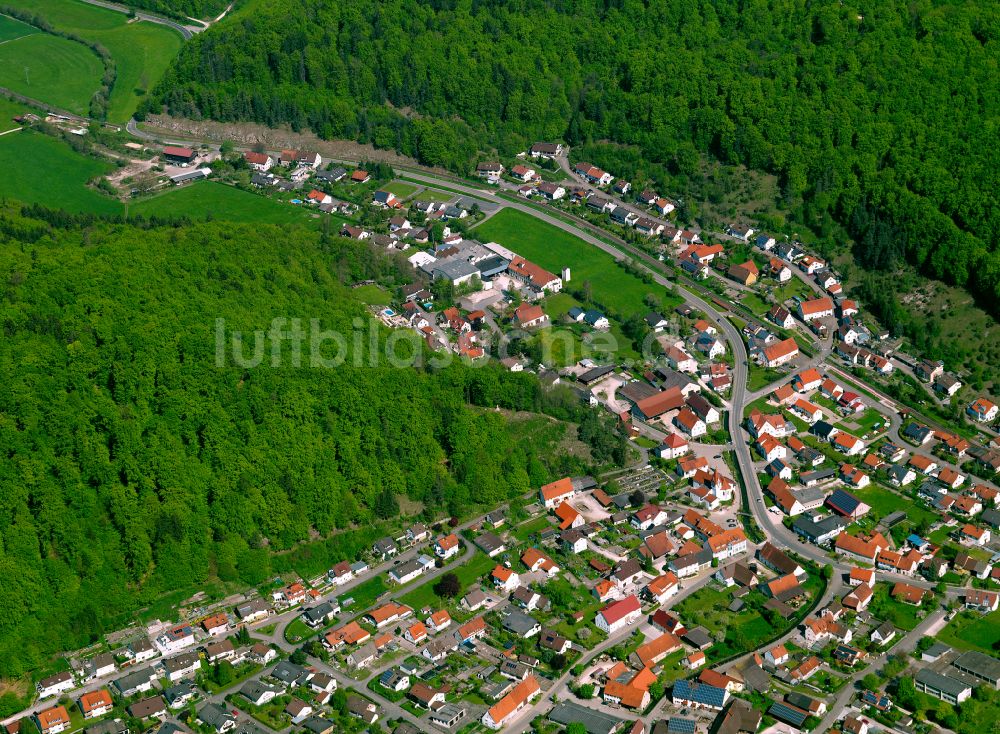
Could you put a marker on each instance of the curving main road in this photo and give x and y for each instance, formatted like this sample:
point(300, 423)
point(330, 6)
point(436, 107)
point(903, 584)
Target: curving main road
point(186, 32)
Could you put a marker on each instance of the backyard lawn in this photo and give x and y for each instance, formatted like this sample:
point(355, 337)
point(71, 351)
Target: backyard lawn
point(884, 501)
point(904, 616)
point(761, 376)
point(525, 530)
point(401, 189)
point(372, 294)
point(973, 631)
point(364, 594)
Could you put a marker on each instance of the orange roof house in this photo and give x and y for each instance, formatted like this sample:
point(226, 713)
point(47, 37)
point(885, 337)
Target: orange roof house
point(780, 352)
point(351, 633)
point(535, 559)
point(504, 710)
point(53, 719)
point(96, 702)
point(554, 493)
point(568, 517)
point(652, 652)
point(908, 593)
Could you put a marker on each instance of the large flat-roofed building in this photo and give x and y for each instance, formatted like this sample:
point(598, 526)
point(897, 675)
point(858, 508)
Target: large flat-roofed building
point(978, 665)
point(596, 722)
point(941, 686)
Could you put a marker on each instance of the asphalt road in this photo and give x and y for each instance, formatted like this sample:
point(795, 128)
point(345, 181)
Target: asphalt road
point(185, 31)
point(905, 645)
point(739, 398)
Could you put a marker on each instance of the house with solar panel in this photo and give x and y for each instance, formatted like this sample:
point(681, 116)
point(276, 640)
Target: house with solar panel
point(699, 695)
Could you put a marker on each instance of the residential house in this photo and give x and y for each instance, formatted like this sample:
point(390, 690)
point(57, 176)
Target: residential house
point(618, 614)
point(507, 708)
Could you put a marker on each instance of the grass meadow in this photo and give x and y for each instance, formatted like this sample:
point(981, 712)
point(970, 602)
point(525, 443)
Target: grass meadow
point(554, 249)
point(54, 70)
point(142, 51)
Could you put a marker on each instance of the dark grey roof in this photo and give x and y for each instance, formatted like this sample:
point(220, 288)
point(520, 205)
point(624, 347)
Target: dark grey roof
point(289, 673)
point(787, 713)
point(756, 678)
point(916, 431)
point(698, 637)
point(595, 722)
point(112, 726)
point(680, 725)
point(800, 700)
point(178, 691)
point(979, 665)
point(822, 429)
point(488, 542)
point(319, 613)
point(843, 501)
point(129, 682)
point(181, 662)
point(936, 650)
point(813, 530)
point(991, 517)
point(595, 373)
point(945, 683)
point(519, 623)
point(214, 715)
point(701, 693)
point(253, 689)
point(818, 476)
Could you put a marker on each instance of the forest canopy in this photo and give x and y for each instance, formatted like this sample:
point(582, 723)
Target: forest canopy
point(880, 118)
point(134, 466)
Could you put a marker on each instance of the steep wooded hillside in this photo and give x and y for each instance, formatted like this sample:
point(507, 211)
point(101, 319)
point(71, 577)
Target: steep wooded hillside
point(879, 117)
point(133, 465)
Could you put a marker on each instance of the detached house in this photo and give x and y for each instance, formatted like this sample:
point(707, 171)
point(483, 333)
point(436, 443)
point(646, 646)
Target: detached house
point(780, 353)
point(52, 720)
point(447, 546)
point(982, 410)
point(557, 492)
point(690, 423)
point(491, 171)
point(618, 614)
point(817, 308)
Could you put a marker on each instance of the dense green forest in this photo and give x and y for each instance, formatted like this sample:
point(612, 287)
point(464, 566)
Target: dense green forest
point(880, 118)
point(134, 466)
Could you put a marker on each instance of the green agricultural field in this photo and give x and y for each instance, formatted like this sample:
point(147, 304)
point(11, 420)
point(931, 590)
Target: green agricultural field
point(219, 201)
point(9, 109)
point(39, 169)
point(11, 28)
point(554, 249)
point(51, 69)
point(142, 51)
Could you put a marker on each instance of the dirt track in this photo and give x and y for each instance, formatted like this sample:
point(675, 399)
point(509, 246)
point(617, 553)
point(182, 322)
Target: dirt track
point(248, 134)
